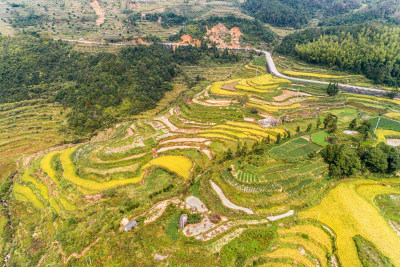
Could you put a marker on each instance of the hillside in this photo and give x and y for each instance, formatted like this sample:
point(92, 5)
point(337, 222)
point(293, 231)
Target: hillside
point(194, 133)
point(236, 155)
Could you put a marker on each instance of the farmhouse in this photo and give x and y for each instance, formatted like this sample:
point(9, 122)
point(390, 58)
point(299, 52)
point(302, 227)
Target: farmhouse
point(130, 225)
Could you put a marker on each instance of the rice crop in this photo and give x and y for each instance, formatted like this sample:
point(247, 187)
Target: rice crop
point(177, 164)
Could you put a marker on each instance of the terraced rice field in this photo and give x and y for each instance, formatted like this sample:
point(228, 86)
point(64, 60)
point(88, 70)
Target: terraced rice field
point(316, 75)
point(70, 175)
point(298, 147)
point(177, 164)
point(382, 134)
point(25, 194)
point(25, 128)
point(349, 210)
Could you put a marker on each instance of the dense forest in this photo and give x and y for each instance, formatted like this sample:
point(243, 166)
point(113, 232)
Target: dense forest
point(369, 49)
point(254, 32)
point(99, 88)
point(293, 13)
point(379, 11)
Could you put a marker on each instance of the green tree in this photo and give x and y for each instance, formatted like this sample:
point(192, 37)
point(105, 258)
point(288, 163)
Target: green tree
point(309, 127)
point(353, 124)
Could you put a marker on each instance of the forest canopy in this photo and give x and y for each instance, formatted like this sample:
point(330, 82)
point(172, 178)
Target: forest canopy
point(368, 49)
point(99, 88)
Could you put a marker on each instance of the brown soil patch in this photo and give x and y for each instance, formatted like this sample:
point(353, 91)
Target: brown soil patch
point(220, 34)
point(99, 12)
point(96, 197)
point(229, 86)
point(288, 94)
point(393, 142)
point(187, 39)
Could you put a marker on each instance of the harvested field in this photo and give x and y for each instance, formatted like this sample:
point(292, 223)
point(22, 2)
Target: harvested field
point(229, 86)
point(289, 94)
point(194, 202)
point(185, 140)
point(195, 229)
point(393, 142)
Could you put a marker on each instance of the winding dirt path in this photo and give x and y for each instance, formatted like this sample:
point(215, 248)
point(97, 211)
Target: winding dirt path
point(226, 202)
point(75, 255)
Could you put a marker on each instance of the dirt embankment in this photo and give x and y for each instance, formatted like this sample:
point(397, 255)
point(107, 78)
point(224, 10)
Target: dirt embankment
point(219, 34)
point(99, 12)
point(187, 39)
point(224, 37)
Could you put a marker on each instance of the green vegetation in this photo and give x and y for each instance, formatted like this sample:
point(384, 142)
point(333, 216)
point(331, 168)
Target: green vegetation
point(254, 32)
point(358, 49)
point(250, 243)
point(296, 14)
point(369, 255)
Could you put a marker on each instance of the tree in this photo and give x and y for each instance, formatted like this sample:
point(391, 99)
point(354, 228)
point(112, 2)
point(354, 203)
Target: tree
point(278, 138)
point(243, 99)
point(298, 129)
point(377, 160)
point(364, 128)
point(343, 161)
point(318, 123)
point(353, 124)
point(309, 127)
point(332, 89)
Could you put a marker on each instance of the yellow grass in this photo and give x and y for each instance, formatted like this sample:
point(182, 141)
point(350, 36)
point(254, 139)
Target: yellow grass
point(45, 165)
point(54, 205)
point(266, 79)
point(231, 133)
point(348, 209)
point(318, 75)
point(381, 133)
point(392, 114)
point(252, 67)
point(289, 253)
point(312, 231)
point(24, 193)
point(26, 177)
point(242, 129)
point(276, 264)
point(216, 88)
point(67, 205)
point(177, 164)
point(253, 89)
point(308, 245)
point(269, 108)
point(245, 125)
point(215, 135)
point(371, 99)
point(70, 175)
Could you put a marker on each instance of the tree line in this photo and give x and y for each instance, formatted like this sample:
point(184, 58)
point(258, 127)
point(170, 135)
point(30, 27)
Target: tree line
point(367, 49)
point(293, 13)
